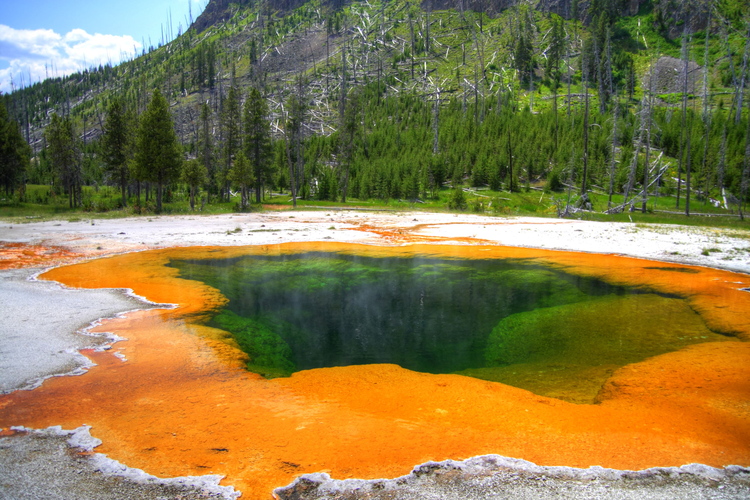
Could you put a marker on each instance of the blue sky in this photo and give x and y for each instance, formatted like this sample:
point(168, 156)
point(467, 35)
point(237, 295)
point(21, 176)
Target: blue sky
point(40, 38)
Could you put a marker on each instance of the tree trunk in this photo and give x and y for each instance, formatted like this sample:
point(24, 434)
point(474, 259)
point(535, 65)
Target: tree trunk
point(345, 186)
point(688, 167)
point(730, 58)
point(613, 152)
point(746, 170)
point(706, 114)
point(411, 30)
point(585, 139)
point(649, 121)
point(292, 186)
point(741, 86)
point(554, 107)
point(158, 197)
point(680, 164)
point(510, 163)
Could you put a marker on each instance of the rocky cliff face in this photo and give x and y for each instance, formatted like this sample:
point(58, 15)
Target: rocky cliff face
point(671, 16)
point(674, 17)
point(563, 8)
point(217, 11)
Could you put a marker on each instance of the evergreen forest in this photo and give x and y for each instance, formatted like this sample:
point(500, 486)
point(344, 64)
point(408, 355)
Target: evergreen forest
point(497, 106)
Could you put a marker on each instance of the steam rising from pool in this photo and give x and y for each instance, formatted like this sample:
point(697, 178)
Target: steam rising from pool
point(508, 320)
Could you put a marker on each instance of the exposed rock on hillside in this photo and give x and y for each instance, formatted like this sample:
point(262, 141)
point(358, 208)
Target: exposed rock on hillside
point(669, 76)
point(217, 11)
point(563, 8)
point(673, 17)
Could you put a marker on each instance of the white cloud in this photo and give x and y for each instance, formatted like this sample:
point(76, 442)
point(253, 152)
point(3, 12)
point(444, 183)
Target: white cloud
point(76, 35)
point(33, 55)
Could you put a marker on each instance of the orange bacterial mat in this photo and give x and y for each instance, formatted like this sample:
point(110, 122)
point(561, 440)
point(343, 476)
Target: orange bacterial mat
point(182, 403)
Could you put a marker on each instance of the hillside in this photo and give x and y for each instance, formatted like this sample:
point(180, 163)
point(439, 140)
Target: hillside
point(295, 38)
point(485, 93)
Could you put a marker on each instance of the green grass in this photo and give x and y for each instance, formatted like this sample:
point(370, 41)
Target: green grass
point(103, 203)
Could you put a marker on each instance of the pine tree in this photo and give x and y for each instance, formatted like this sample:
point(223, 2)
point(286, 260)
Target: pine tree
point(14, 152)
point(297, 113)
point(231, 126)
point(555, 51)
point(241, 174)
point(523, 56)
point(194, 175)
point(554, 57)
point(258, 139)
point(158, 155)
point(115, 146)
point(205, 146)
point(348, 131)
point(65, 155)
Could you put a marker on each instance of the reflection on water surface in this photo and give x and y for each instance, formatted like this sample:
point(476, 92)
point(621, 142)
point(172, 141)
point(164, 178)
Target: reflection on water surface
point(508, 320)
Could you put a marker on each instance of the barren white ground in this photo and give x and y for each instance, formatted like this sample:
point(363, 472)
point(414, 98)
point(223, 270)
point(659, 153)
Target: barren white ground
point(726, 248)
point(46, 327)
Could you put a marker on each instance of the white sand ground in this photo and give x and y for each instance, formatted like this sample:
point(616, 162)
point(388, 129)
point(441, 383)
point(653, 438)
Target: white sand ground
point(30, 351)
point(726, 248)
point(38, 320)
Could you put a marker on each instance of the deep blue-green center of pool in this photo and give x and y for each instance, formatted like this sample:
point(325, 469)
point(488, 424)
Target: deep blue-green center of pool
point(497, 319)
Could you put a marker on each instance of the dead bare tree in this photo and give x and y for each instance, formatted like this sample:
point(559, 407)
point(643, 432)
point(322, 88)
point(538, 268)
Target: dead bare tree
point(730, 59)
point(740, 91)
point(746, 167)
point(656, 171)
point(612, 162)
point(682, 158)
point(585, 129)
point(649, 121)
point(706, 115)
point(639, 136)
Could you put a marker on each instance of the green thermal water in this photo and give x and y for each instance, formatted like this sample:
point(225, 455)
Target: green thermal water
point(511, 321)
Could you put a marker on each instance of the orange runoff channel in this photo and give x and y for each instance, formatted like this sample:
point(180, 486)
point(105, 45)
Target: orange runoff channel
point(183, 404)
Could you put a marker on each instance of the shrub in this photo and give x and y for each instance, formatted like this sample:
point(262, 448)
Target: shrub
point(457, 200)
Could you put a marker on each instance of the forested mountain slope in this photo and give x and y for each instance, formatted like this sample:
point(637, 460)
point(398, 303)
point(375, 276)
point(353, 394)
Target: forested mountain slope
point(400, 99)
